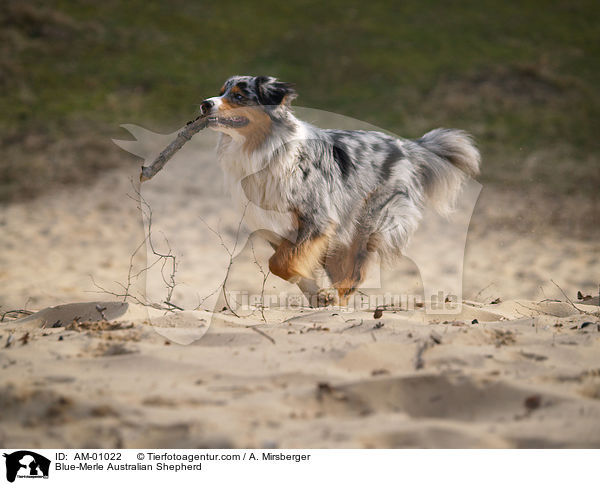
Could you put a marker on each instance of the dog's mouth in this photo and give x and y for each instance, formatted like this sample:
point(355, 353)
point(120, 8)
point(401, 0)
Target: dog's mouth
point(228, 121)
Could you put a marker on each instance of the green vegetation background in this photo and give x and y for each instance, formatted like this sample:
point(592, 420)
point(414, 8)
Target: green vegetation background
point(521, 76)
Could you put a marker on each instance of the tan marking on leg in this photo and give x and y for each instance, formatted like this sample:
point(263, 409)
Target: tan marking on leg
point(292, 260)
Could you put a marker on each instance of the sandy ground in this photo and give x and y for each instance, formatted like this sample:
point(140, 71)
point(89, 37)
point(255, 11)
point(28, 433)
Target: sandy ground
point(525, 374)
point(317, 379)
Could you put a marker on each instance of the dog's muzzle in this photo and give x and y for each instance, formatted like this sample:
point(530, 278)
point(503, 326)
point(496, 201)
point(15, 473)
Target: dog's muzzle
point(210, 108)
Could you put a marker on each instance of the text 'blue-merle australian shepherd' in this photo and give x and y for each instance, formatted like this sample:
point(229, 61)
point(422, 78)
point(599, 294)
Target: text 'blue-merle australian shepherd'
point(329, 199)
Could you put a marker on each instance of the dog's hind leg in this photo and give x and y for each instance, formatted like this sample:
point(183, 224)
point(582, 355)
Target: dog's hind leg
point(347, 266)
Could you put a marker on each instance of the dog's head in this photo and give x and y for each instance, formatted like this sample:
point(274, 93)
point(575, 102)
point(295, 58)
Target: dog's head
point(248, 105)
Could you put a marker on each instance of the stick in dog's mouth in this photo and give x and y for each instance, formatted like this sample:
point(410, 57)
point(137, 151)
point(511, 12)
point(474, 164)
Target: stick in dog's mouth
point(229, 121)
point(184, 135)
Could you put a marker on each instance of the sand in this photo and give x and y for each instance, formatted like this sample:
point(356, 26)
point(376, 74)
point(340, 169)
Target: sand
point(314, 379)
point(526, 373)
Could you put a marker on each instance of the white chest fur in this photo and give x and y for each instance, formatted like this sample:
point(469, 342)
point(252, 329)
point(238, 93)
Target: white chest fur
point(259, 184)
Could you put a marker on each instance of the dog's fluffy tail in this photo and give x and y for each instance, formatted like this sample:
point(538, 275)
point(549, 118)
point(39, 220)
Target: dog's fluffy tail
point(448, 156)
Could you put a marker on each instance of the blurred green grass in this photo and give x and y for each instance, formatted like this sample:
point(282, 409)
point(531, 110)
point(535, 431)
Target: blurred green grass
point(523, 77)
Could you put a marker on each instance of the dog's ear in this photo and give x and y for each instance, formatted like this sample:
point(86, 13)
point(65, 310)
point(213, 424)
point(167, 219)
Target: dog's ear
point(272, 92)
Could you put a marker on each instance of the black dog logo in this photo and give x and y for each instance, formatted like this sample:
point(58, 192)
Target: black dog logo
point(28, 463)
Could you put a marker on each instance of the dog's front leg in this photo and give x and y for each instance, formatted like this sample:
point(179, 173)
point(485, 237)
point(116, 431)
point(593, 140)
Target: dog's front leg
point(317, 293)
point(315, 289)
point(297, 263)
point(292, 261)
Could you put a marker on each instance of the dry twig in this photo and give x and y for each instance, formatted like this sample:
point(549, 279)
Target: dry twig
point(260, 332)
point(583, 312)
point(231, 253)
point(18, 312)
point(265, 275)
point(168, 260)
point(183, 137)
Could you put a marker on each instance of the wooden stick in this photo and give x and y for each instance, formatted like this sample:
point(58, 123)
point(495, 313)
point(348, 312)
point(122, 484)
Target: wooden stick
point(183, 137)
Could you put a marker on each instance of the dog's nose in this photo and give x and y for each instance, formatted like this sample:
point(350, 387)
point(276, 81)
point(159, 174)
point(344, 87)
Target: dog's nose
point(206, 106)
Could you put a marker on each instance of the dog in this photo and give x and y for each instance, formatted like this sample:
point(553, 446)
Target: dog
point(329, 199)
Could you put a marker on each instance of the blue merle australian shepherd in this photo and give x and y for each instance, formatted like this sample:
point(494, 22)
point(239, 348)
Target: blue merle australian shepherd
point(329, 199)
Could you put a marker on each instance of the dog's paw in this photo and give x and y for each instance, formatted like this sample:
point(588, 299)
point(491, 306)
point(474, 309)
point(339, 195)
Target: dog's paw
point(325, 297)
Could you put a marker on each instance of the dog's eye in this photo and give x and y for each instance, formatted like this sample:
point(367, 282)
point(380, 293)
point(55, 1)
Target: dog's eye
point(238, 97)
